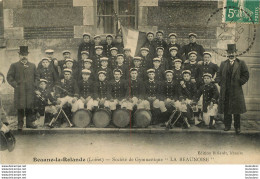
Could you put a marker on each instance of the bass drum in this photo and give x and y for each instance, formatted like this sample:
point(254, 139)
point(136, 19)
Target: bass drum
point(102, 117)
point(81, 118)
point(142, 118)
point(121, 117)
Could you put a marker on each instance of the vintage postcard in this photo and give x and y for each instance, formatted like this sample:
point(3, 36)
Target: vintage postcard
point(130, 81)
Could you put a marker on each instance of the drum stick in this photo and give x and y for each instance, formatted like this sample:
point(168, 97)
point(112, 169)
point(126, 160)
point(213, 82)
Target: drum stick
point(176, 119)
point(55, 119)
point(71, 125)
point(170, 119)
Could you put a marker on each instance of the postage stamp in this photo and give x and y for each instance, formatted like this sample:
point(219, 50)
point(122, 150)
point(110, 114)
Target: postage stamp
point(241, 11)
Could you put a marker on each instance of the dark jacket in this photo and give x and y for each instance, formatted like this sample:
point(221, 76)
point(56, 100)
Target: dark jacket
point(23, 79)
point(49, 74)
point(210, 94)
point(68, 88)
point(207, 68)
point(102, 90)
point(170, 90)
point(135, 89)
point(152, 89)
point(118, 89)
point(85, 88)
point(189, 91)
point(232, 86)
point(85, 47)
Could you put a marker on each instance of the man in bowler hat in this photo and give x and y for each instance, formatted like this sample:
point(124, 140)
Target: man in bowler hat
point(22, 77)
point(232, 75)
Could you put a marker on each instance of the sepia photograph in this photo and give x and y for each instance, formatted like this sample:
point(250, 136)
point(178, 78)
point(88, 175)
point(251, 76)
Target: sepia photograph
point(129, 82)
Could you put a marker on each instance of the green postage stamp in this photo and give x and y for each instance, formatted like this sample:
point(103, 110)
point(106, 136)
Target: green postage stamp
point(241, 11)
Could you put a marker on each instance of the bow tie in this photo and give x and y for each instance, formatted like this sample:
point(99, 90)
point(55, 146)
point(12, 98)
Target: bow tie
point(151, 81)
point(231, 62)
point(206, 63)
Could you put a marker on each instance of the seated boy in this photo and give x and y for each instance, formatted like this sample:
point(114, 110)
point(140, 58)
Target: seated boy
point(135, 91)
point(188, 93)
point(152, 95)
point(118, 90)
point(85, 91)
point(44, 101)
point(209, 101)
point(102, 91)
point(67, 90)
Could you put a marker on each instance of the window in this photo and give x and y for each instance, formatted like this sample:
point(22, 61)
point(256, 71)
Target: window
point(108, 11)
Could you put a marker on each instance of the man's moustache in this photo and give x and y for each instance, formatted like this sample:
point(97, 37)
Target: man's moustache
point(231, 56)
point(24, 58)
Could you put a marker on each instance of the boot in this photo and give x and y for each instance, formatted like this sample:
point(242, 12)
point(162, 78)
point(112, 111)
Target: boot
point(211, 126)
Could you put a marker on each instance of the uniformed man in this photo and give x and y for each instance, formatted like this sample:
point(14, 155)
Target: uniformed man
point(170, 90)
point(97, 42)
point(193, 46)
point(104, 67)
point(87, 65)
point(150, 44)
point(119, 44)
point(66, 54)
point(84, 55)
point(210, 98)
point(177, 71)
point(160, 42)
point(128, 58)
point(140, 70)
point(135, 90)
point(97, 56)
point(86, 45)
point(108, 45)
point(147, 61)
point(160, 54)
point(152, 95)
point(118, 90)
point(72, 65)
point(53, 61)
point(112, 58)
point(193, 66)
point(173, 43)
point(67, 90)
point(122, 66)
point(207, 67)
point(173, 55)
point(48, 73)
point(44, 101)
point(85, 91)
point(159, 71)
point(102, 91)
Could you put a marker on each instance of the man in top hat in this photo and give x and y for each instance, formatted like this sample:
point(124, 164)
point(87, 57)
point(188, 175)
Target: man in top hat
point(232, 75)
point(108, 45)
point(22, 77)
point(193, 46)
point(86, 45)
point(150, 43)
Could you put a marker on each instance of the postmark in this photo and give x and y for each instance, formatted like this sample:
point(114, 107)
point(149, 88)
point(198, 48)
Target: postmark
point(242, 34)
point(241, 11)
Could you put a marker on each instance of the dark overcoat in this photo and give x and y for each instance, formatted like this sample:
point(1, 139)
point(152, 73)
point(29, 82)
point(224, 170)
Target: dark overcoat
point(23, 79)
point(240, 76)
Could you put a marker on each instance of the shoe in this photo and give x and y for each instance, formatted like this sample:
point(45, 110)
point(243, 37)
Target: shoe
point(50, 125)
point(227, 129)
point(31, 126)
point(20, 129)
point(212, 127)
point(238, 131)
